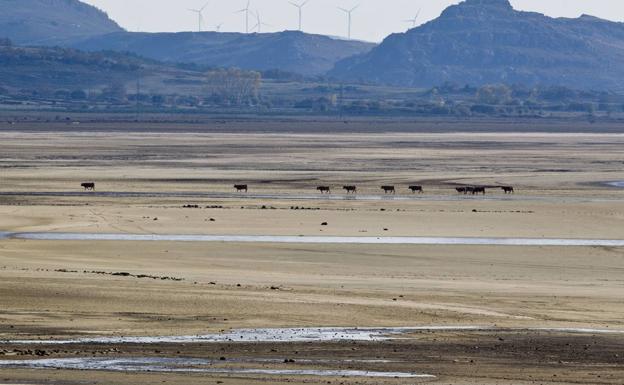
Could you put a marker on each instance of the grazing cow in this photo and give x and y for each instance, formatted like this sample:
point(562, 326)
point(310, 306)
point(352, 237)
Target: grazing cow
point(416, 189)
point(388, 189)
point(508, 189)
point(478, 190)
point(88, 186)
point(350, 189)
point(241, 187)
point(461, 190)
point(324, 189)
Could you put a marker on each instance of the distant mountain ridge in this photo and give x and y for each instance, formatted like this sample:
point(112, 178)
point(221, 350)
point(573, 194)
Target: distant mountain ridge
point(486, 41)
point(52, 22)
point(289, 51)
point(74, 24)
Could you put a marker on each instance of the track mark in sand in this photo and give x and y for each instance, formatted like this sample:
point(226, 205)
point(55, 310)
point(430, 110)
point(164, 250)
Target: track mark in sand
point(320, 299)
point(104, 220)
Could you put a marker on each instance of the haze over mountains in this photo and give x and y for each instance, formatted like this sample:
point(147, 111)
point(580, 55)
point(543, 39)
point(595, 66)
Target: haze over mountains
point(289, 51)
point(475, 42)
point(71, 23)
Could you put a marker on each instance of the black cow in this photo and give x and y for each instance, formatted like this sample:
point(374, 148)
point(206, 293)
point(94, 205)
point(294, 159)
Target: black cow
point(461, 190)
point(416, 189)
point(477, 190)
point(350, 189)
point(88, 186)
point(241, 187)
point(508, 189)
point(324, 189)
point(388, 189)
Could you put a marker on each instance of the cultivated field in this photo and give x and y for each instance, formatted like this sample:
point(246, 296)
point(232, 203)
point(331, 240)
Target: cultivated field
point(525, 305)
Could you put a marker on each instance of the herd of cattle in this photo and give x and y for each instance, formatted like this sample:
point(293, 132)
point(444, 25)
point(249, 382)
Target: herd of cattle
point(474, 190)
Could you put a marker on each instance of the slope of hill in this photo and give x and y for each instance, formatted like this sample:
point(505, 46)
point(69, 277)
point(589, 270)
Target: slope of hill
point(44, 71)
point(487, 41)
point(51, 22)
point(287, 51)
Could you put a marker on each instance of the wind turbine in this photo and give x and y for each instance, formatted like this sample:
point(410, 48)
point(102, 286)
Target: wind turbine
point(259, 23)
point(414, 20)
point(300, 7)
point(349, 12)
point(246, 10)
point(218, 27)
point(200, 16)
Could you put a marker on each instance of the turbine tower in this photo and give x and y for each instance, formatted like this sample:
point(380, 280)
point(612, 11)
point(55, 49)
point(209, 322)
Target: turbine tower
point(246, 10)
point(300, 6)
point(414, 20)
point(259, 23)
point(200, 15)
point(349, 13)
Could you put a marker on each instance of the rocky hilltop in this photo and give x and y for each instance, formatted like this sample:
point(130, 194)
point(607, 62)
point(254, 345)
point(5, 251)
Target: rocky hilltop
point(486, 41)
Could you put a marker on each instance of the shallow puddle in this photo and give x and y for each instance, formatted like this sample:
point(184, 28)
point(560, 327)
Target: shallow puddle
point(184, 365)
point(498, 196)
point(466, 241)
point(286, 335)
point(249, 335)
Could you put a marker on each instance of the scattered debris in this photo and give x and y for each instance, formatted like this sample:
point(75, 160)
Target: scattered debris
point(121, 274)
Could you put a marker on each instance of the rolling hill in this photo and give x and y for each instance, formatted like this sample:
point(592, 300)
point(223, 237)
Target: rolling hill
point(52, 22)
point(73, 24)
point(486, 41)
point(44, 71)
point(289, 51)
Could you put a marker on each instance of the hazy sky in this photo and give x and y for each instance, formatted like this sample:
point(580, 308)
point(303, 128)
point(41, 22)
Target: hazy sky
point(374, 20)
